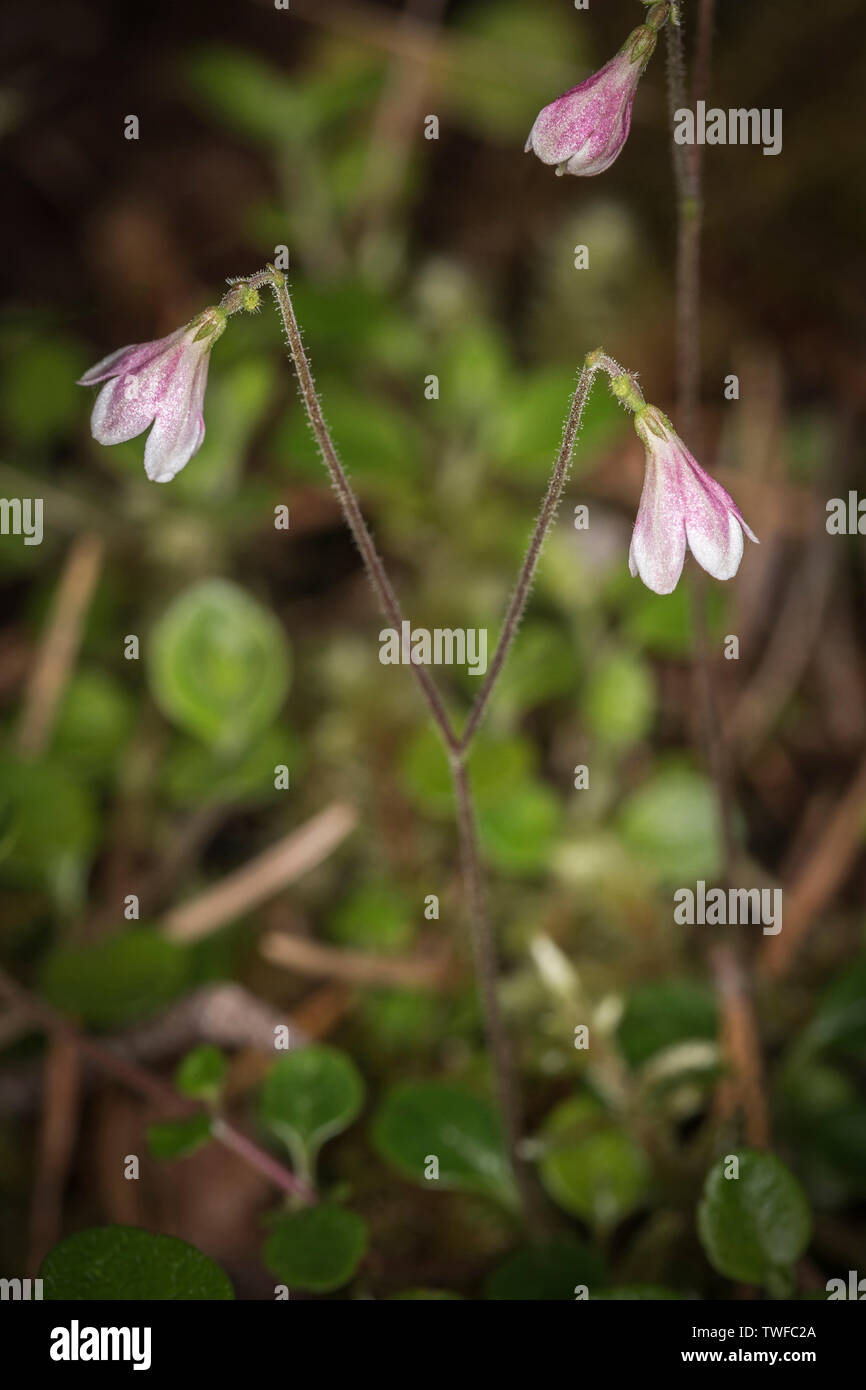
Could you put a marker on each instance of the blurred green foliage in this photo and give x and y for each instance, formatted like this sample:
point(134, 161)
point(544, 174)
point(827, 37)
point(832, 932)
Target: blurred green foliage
point(120, 1262)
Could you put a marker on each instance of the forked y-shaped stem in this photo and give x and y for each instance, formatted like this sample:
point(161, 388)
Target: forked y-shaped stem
point(457, 748)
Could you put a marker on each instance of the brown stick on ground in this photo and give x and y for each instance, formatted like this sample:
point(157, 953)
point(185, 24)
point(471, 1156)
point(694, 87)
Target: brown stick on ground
point(354, 967)
point(263, 876)
point(741, 1045)
point(60, 1097)
point(58, 648)
point(821, 875)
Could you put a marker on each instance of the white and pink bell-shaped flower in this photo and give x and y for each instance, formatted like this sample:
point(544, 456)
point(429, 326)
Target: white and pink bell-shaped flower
point(681, 506)
point(161, 384)
point(583, 131)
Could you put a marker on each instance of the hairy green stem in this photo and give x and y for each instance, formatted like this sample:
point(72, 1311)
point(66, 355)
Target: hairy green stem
point(546, 517)
point(351, 508)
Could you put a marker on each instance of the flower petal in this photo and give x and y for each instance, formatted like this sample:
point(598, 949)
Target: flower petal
point(594, 158)
point(713, 528)
point(126, 405)
point(585, 129)
point(179, 428)
point(566, 123)
point(658, 543)
point(128, 359)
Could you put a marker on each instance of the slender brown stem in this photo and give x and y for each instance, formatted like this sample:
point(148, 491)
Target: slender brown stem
point(484, 946)
point(61, 1095)
point(376, 572)
point(144, 1083)
point(484, 950)
point(703, 49)
point(687, 176)
point(549, 508)
point(741, 1036)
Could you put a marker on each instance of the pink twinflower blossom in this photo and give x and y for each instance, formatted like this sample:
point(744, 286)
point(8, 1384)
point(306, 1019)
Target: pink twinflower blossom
point(681, 505)
point(583, 131)
point(161, 383)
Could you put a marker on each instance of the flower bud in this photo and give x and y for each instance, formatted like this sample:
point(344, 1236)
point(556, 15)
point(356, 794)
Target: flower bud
point(583, 131)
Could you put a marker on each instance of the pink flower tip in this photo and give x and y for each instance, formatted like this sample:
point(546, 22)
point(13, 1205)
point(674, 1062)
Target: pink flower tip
point(583, 131)
point(161, 383)
point(681, 506)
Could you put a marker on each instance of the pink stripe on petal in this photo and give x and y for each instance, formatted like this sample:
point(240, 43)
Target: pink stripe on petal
point(128, 359)
point(658, 543)
point(170, 446)
point(117, 415)
point(713, 531)
point(179, 429)
point(126, 406)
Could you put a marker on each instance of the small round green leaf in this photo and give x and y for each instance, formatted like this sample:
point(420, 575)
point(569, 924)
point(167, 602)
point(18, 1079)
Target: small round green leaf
point(670, 825)
point(115, 981)
point(123, 1262)
point(219, 664)
point(546, 1272)
point(178, 1138)
point(201, 1073)
point(93, 723)
point(308, 1097)
point(517, 834)
point(757, 1224)
point(592, 1168)
point(661, 1013)
point(377, 916)
point(317, 1249)
point(424, 1119)
point(619, 700)
point(47, 818)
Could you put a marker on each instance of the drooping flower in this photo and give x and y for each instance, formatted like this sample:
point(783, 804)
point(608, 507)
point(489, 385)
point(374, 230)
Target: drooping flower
point(161, 383)
point(681, 505)
point(583, 131)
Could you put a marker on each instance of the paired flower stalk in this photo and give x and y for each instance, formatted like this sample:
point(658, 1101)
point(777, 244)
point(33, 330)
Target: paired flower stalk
point(162, 383)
